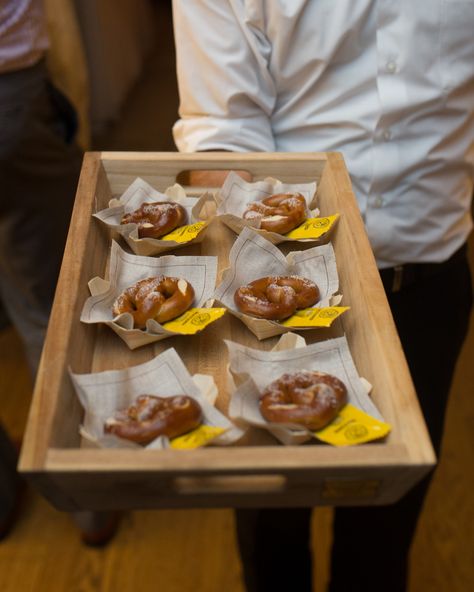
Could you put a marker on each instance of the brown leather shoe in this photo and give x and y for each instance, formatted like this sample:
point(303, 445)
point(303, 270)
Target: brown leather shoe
point(100, 536)
point(14, 487)
point(7, 524)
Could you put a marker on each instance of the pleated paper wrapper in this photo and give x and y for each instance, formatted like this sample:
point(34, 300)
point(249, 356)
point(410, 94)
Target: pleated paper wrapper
point(253, 257)
point(236, 193)
point(198, 210)
point(103, 393)
point(125, 269)
point(253, 370)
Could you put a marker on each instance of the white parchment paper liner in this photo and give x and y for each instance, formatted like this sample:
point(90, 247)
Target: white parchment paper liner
point(253, 257)
point(103, 393)
point(236, 193)
point(141, 192)
point(125, 269)
point(252, 370)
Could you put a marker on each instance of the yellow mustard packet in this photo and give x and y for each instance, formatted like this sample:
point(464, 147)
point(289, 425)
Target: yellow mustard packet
point(313, 227)
point(184, 234)
point(352, 426)
point(196, 438)
point(315, 317)
point(194, 320)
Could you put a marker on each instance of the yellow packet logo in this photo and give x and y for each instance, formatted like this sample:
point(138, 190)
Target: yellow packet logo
point(313, 227)
point(184, 234)
point(196, 438)
point(315, 317)
point(194, 320)
point(352, 426)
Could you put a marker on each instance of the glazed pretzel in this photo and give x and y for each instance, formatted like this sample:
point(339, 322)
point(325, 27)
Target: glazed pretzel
point(276, 297)
point(161, 298)
point(310, 399)
point(278, 213)
point(151, 416)
point(156, 219)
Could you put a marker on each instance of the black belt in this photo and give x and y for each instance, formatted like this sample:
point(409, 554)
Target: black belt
point(396, 278)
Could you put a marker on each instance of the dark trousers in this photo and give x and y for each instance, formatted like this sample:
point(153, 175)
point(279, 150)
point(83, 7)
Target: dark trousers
point(39, 171)
point(384, 533)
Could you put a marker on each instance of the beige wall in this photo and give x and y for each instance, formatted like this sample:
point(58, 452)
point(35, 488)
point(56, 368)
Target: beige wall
point(67, 62)
point(98, 48)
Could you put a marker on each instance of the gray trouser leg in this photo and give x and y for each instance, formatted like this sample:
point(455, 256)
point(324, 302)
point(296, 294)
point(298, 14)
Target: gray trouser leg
point(39, 170)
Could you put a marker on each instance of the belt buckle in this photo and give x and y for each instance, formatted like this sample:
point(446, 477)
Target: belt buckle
point(397, 278)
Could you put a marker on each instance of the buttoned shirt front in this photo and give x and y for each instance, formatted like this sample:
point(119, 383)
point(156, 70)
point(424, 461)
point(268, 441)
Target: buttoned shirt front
point(389, 84)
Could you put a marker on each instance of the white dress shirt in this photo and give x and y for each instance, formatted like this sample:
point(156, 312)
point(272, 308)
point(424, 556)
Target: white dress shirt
point(23, 38)
point(390, 84)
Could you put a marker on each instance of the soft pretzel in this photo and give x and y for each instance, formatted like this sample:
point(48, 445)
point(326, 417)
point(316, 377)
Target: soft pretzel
point(310, 399)
point(278, 213)
point(276, 297)
point(156, 219)
point(151, 416)
point(161, 298)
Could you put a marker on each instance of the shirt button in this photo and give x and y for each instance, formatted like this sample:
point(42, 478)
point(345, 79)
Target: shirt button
point(387, 135)
point(391, 67)
point(378, 201)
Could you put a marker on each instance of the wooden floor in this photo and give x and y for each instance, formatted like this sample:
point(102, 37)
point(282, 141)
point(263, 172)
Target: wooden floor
point(195, 550)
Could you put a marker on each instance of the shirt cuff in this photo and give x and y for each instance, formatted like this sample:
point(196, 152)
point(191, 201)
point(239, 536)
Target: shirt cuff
point(252, 134)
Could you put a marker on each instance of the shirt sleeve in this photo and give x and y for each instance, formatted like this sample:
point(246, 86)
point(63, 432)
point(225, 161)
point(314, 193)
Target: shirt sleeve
point(226, 92)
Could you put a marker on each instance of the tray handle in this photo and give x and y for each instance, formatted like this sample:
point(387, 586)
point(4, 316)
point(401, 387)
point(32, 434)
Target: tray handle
point(225, 484)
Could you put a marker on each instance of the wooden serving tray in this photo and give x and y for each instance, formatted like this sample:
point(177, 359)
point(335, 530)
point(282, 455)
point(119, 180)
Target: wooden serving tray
point(257, 471)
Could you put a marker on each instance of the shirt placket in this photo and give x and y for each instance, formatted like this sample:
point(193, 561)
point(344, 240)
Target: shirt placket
point(391, 90)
